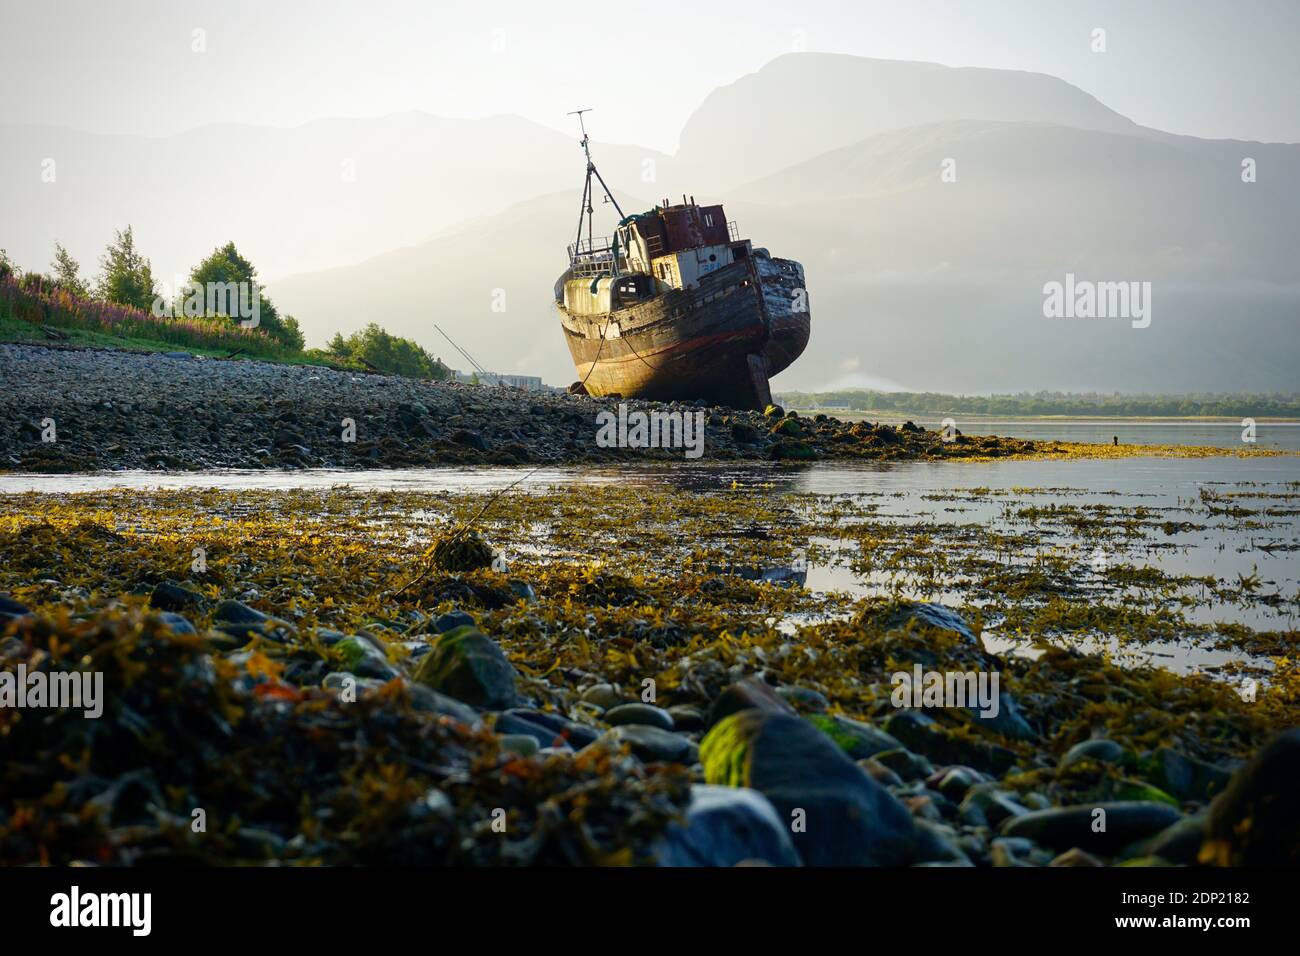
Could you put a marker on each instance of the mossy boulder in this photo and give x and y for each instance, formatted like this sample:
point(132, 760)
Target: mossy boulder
point(468, 665)
point(789, 450)
point(364, 658)
point(857, 739)
point(1126, 789)
point(1184, 776)
point(838, 815)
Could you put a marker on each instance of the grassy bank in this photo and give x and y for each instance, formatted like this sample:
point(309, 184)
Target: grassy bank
point(34, 312)
point(27, 333)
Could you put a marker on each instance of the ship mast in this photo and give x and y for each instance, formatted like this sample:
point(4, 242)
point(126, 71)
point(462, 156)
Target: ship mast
point(587, 211)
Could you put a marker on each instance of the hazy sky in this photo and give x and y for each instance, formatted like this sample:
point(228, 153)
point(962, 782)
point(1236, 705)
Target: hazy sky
point(1202, 67)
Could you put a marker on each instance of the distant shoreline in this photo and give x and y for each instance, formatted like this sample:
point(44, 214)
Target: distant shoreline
point(890, 415)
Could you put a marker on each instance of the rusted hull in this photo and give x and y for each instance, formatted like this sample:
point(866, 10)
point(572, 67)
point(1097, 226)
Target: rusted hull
point(719, 342)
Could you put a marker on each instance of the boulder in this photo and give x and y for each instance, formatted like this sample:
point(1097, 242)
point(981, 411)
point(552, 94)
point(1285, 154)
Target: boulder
point(1254, 822)
point(839, 815)
point(1185, 777)
point(805, 699)
point(643, 714)
point(921, 733)
point(239, 620)
point(1119, 824)
point(1099, 750)
point(547, 727)
point(1179, 843)
point(469, 666)
point(361, 657)
point(179, 623)
point(429, 700)
point(170, 596)
point(725, 826)
point(452, 620)
point(10, 609)
point(856, 738)
point(750, 693)
point(653, 744)
point(603, 696)
point(927, 615)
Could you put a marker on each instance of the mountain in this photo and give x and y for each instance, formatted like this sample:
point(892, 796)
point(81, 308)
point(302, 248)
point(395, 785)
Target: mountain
point(803, 104)
point(323, 194)
point(940, 284)
point(1034, 196)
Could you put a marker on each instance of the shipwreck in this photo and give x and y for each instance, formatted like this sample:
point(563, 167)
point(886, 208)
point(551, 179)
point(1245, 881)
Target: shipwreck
point(674, 306)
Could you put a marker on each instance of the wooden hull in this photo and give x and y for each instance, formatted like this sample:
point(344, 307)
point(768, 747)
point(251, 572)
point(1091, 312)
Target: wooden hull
point(718, 342)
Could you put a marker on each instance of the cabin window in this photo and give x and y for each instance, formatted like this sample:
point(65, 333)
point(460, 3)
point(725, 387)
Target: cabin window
point(628, 291)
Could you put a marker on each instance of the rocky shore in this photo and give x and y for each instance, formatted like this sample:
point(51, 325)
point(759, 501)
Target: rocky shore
point(76, 410)
point(347, 679)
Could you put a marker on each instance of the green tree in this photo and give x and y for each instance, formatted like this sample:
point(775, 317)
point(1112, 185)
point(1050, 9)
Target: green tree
point(126, 277)
point(388, 353)
point(337, 346)
point(291, 334)
point(227, 266)
point(67, 272)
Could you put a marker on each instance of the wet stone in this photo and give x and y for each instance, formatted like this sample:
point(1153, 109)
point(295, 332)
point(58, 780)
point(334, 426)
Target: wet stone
point(652, 743)
point(644, 714)
point(170, 596)
point(726, 826)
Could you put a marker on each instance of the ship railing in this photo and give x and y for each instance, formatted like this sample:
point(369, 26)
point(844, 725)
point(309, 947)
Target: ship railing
point(732, 231)
point(593, 246)
point(594, 257)
point(587, 267)
point(590, 269)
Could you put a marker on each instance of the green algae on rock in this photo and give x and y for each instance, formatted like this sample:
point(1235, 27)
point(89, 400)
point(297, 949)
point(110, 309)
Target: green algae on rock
point(466, 664)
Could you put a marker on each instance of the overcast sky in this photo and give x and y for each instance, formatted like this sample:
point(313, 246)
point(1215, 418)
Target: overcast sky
point(1201, 67)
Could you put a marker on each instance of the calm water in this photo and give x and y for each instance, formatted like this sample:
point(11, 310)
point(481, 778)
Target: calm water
point(1122, 476)
point(961, 493)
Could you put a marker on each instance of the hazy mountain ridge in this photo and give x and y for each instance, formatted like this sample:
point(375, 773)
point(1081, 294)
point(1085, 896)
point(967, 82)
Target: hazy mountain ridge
point(800, 105)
